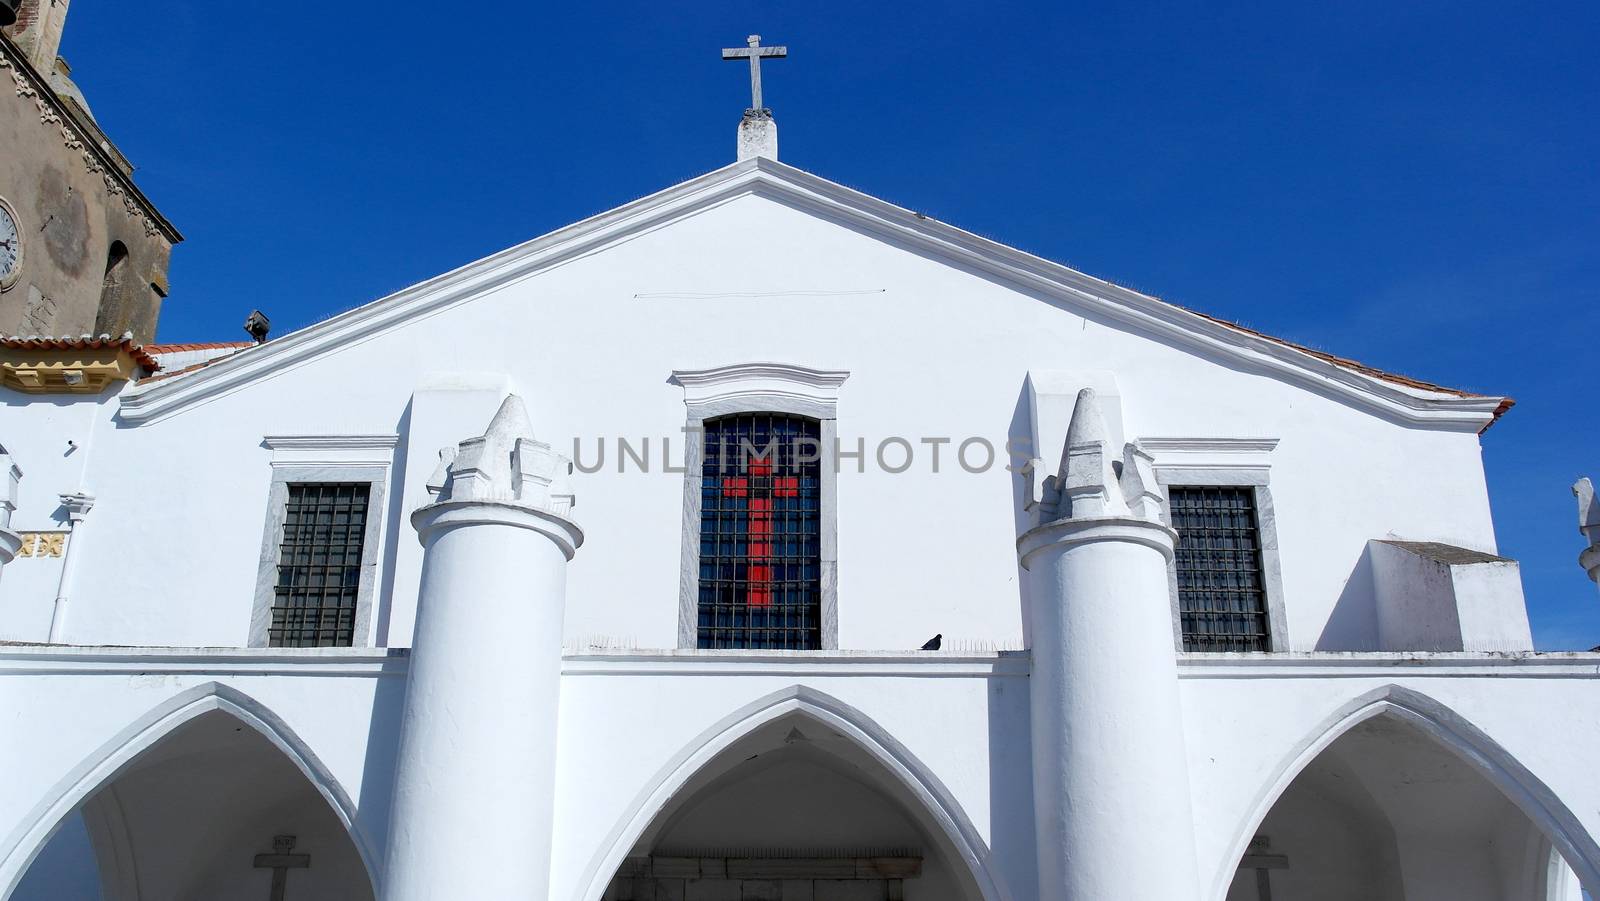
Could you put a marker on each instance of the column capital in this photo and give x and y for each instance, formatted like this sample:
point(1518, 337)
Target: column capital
point(447, 515)
point(1064, 533)
point(77, 504)
point(503, 477)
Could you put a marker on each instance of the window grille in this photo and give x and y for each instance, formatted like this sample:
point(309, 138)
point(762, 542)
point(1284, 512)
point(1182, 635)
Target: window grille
point(760, 533)
point(1221, 586)
point(319, 566)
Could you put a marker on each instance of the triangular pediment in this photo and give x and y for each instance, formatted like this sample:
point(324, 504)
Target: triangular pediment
point(1383, 393)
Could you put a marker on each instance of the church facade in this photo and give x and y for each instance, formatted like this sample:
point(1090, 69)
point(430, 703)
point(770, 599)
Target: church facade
point(942, 572)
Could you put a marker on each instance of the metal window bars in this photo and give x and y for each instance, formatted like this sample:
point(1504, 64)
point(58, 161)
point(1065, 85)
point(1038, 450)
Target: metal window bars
point(319, 565)
point(1221, 584)
point(760, 533)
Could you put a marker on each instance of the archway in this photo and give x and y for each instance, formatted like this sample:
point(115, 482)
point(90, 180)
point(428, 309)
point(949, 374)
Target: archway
point(1400, 798)
point(179, 805)
point(801, 794)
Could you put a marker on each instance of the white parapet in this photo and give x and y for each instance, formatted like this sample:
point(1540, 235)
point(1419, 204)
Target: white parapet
point(1437, 597)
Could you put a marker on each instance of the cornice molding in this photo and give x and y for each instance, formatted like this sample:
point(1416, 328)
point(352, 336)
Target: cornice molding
point(331, 442)
point(786, 184)
point(746, 387)
point(745, 372)
point(1209, 445)
point(793, 664)
point(32, 84)
point(1388, 664)
point(74, 370)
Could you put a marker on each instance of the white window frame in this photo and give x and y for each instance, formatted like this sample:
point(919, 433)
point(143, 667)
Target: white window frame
point(300, 459)
point(1227, 463)
point(760, 388)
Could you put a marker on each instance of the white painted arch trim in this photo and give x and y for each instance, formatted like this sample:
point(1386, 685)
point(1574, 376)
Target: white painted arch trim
point(762, 177)
point(832, 713)
point(1456, 734)
point(121, 750)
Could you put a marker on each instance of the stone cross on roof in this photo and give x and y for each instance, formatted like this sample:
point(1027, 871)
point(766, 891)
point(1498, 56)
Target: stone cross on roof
point(754, 53)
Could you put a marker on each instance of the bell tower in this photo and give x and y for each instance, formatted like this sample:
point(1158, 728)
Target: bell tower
point(82, 250)
point(37, 30)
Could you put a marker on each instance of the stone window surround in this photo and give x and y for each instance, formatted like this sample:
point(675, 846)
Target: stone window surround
point(323, 458)
point(759, 388)
point(1229, 463)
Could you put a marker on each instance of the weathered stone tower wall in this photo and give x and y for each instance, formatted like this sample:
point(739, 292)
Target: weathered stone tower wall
point(94, 250)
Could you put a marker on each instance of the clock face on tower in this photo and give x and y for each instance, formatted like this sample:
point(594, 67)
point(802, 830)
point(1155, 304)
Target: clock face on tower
point(10, 246)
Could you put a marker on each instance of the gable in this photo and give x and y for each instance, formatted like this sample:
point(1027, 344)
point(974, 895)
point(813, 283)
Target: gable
point(1395, 397)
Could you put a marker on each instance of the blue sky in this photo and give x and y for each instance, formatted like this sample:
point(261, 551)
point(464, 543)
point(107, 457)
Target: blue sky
point(1415, 185)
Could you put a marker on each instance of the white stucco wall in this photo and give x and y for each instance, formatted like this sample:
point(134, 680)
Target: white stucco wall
point(634, 727)
point(933, 351)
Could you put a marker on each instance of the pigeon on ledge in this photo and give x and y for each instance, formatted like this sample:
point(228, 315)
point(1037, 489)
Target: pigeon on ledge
point(934, 643)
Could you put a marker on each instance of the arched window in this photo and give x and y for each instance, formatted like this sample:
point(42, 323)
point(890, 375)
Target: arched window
point(116, 263)
point(760, 582)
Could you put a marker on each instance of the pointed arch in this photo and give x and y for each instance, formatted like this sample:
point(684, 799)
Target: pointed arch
point(911, 774)
point(1457, 735)
point(119, 752)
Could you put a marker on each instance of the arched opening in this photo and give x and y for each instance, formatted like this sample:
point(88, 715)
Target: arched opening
point(204, 809)
point(116, 264)
point(797, 796)
point(1389, 810)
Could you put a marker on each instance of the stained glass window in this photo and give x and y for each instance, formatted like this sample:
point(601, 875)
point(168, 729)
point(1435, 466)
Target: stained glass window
point(319, 565)
point(760, 533)
point(1221, 594)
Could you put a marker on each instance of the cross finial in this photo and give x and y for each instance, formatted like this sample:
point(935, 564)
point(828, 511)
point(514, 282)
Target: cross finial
point(754, 52)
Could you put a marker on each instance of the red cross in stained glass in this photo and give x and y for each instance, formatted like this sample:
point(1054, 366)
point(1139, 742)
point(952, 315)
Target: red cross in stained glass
point(759, 488)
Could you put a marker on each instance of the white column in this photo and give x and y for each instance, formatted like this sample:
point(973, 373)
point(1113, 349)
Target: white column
point(77, 506)
point(475, 774)
point(1110, 777)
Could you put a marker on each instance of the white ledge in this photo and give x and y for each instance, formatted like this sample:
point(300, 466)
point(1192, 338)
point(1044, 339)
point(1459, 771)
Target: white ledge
point(693, 662)
point(50, 659)
point(1385, 664)
point(26, 659)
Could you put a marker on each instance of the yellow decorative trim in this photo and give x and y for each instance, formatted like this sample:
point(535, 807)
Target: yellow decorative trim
point(41, 371)
point(43, 544)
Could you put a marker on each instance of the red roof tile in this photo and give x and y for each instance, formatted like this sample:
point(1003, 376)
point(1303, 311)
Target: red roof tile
point(203, 345)
point(83, 342)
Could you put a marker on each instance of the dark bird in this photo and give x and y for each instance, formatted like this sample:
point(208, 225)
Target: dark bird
point(934, 643)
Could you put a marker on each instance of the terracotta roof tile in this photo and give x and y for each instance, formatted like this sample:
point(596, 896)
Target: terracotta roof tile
point(139, 352)
point(202, 345)
point(1506, 403)
point(177, 372)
